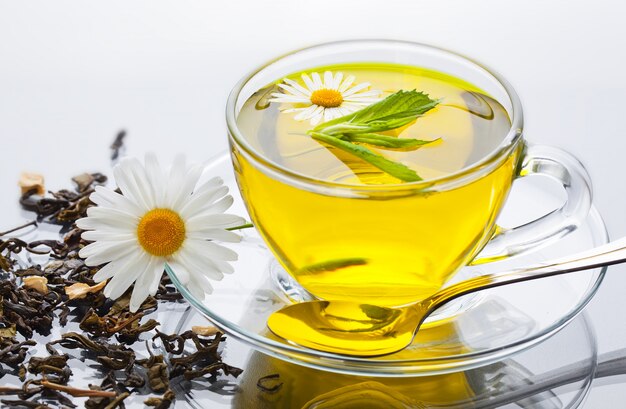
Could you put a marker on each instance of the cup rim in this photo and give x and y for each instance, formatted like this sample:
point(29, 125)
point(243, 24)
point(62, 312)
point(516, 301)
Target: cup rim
point(460, 177)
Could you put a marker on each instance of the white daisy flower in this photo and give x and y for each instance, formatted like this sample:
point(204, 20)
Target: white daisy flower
point(325, 99)
point(159, 218)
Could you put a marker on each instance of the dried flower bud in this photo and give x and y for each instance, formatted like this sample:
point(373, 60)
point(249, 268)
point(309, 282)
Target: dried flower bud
point(207, 331)
point(80, 290)
point(29, 181)
point(37, 283)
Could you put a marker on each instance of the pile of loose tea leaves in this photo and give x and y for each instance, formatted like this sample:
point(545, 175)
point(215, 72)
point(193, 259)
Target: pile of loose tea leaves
point(37, 295)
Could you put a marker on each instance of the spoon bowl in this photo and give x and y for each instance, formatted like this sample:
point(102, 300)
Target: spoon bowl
point(346, 328)
point(366, 330)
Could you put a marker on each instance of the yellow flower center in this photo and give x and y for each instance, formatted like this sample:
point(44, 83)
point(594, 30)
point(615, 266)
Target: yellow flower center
point(328, 98)
point(161, 232)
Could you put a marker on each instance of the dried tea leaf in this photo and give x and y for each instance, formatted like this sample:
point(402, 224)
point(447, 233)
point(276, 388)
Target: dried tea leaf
point(83, 181)
point(74, 211)
point(118, 145)
point(161, 403)
point(205, 331)
point(46, 364)
point(158, 377)
point(80, 290)
point(37, 283)
point(32, 182)
point(22, 403)
point(21, 373)
point(8, 332)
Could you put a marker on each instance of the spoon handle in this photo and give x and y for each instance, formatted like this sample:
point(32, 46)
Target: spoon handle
point(605, 255)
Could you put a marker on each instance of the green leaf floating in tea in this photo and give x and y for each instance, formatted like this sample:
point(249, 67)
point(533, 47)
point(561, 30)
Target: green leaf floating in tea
point(397, 110)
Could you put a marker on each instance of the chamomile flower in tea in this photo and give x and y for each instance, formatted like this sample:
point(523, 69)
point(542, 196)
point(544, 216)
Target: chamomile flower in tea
point(159, 218)
point(318, 99)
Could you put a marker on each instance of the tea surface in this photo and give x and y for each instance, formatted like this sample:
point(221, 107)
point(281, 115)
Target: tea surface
point(469, 123)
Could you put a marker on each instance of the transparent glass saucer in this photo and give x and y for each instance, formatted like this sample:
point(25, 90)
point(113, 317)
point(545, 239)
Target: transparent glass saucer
point(545, 376)
point(477, 330)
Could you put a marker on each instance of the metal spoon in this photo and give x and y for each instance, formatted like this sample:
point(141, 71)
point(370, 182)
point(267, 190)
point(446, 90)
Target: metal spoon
point(368, 330)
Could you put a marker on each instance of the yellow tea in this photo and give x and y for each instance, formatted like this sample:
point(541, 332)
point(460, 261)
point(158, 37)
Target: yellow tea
point(380, 240)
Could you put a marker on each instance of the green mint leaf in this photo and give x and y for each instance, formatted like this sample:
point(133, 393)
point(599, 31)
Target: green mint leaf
point(386, 141)
point(396, 110)
point(395, 169)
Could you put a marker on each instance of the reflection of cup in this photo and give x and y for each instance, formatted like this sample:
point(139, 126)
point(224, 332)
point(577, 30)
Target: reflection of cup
point(308, 388)
point(416, 235)
point(541, 377)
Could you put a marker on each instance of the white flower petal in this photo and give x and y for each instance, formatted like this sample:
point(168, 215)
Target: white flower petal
point(201, 200)
point(328, 114)
point(355, 89)
point(142, 184)
point(362, 101)
point(317, 116)
point(94, 235)
point(216, 220)
point(120, 173)
point(109, 270)
point(343, 111)
point(289, 98)
point(157, 274)
point(224, 266)
point(112, 212)
point(297, 86)
point(210, 249)
point(179, 270)
point(317, 112)
point(292, 90)
point(216, 208)
point(346, 83)
point(210, 233)
point(126, 275)
point(101, 252)
point(290, 110)
point(114, 218)
point(107, 223)
point(125, 180)
point(209, 184)
point(156, 178)
point(328, 80)
point(175, 178)
point(109, 198)
point(306, 113)
point(204, 284)
point(371, 93)
point(337, 80)
point(352, 106)
point(179, 196)
point(199, 265)
point(195, 290)
point(142, 285)
point(309, 83)
point(317, 81)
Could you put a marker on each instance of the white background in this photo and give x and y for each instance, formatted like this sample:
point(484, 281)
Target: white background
point(72, 73)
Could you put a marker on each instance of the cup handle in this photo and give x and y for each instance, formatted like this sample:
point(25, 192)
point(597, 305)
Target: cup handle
point(564, 168)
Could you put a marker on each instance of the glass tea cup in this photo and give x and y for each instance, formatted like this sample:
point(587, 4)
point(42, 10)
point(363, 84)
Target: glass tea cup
point(395, 244)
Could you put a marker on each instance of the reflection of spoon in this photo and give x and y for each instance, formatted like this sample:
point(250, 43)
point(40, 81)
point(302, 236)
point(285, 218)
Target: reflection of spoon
point(368, 330)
